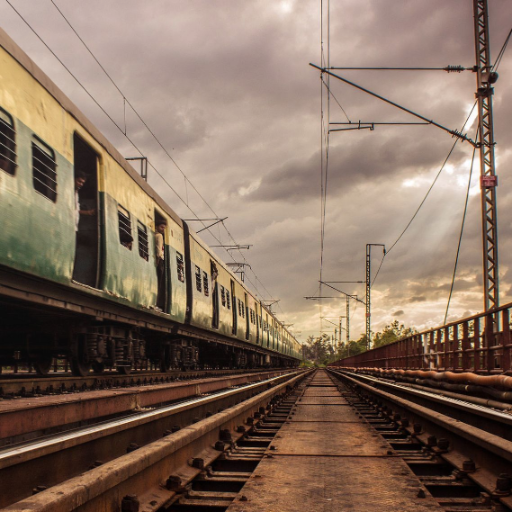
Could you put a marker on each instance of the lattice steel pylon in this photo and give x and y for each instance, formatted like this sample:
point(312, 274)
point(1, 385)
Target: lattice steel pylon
point(488, 180)
point(368, 291)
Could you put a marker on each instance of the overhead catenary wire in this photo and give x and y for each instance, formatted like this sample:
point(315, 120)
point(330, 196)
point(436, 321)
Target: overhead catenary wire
point(123, 131)
point(502, 52)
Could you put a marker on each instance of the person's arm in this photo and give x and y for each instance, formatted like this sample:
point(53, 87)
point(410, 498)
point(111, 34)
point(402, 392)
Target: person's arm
point(159, 241)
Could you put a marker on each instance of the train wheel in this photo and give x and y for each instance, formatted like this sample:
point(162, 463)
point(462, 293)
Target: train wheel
point(97, 367)
point(79, 368)
point(42, 365)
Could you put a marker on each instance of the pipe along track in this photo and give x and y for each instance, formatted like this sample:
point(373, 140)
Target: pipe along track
point(461, 452)
point(95, 468)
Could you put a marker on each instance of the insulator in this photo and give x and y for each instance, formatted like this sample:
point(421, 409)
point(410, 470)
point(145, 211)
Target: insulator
point(454, 69)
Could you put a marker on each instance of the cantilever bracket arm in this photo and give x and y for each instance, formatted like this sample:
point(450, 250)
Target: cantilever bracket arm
point(454, 133)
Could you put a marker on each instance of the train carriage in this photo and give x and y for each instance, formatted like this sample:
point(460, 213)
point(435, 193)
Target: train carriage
point(78, 265)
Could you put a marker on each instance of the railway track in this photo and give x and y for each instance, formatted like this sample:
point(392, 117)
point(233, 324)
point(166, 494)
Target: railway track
point(461, 451)
point(305, 439)
point(25, 384)
point(142, 454)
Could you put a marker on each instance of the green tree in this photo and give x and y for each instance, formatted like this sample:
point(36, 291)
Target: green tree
point(391, 333)
point(320, 350)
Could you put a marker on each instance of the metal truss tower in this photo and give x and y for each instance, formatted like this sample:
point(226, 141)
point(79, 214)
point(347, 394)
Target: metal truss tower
point(485, 79)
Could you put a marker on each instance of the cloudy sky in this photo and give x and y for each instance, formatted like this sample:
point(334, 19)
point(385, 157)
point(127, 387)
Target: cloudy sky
point(227, 88)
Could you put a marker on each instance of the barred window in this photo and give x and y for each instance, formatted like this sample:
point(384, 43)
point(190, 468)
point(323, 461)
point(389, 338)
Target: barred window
point(253, 321)
point(7, 143)
point(142, 232)
point(180, 267)
point(44, 170)
point(228, 300)
point(223, 295)
point(205, 284)
point(125, 225)
point(198, 279)
point(239, 307)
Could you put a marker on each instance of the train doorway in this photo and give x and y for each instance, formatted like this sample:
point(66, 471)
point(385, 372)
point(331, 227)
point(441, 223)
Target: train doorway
point(162, 262)
point(233, 309)
point(87, 261)
point(215, 294)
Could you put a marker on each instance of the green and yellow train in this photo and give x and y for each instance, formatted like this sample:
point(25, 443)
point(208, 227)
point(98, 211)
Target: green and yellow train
point(70, 285)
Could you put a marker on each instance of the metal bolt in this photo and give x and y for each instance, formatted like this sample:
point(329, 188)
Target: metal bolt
point(405, 422)
point(130, 503)
point(240, 429)
point(443, 444)
point(469, 466)
point(417, 428)
point(175, 428)
point(421, 494)
point(173, 483)
point(39, 488)
point(198, 463)
point(504, 483)
point(219, 446)
point(167, 433)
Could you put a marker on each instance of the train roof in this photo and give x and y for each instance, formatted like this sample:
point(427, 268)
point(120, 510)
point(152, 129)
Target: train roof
point(38, 74)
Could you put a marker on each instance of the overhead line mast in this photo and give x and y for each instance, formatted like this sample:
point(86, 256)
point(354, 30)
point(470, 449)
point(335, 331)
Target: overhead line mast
point(486, 77)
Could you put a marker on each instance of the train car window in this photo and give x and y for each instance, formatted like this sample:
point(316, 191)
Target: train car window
point(142, 234)
point(44, 169)
point(205, 284)
point(180, 267)
point(243, 309)
point(223, 295)
point(228, 300)
point(198, 278)
point(125, 226)
point(7, 143)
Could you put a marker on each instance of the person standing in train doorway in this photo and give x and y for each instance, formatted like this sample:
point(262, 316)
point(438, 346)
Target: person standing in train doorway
point(160, 262)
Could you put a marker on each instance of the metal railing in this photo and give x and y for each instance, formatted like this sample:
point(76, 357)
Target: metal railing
point(470, 344)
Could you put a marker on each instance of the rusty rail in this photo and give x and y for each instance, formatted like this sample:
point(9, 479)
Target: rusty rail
point(468, 345)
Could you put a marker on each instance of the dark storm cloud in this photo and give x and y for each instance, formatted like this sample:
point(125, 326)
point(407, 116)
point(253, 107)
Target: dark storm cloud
point(350, 167)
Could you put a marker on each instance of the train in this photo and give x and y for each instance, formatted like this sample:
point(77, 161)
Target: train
point(81, 276)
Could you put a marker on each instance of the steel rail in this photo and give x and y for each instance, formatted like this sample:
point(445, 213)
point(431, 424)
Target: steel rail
point(145, 471)
point(492, 453)
point(26, 415)
point(33, 449)
point(456, 403)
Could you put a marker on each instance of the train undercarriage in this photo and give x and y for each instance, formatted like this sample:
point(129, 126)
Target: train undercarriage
point(36, 336)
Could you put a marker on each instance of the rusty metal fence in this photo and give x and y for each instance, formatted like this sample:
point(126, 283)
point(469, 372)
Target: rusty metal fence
point(478, 344)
